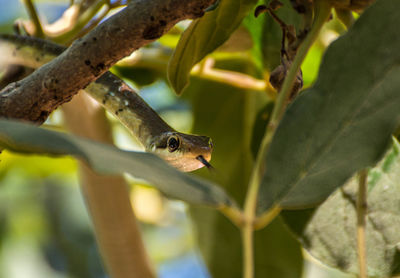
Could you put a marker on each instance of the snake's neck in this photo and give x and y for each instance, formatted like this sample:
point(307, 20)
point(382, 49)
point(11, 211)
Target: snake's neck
point(129, 108)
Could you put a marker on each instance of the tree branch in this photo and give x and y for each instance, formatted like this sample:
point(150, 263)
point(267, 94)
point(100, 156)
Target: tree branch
point(141, 22)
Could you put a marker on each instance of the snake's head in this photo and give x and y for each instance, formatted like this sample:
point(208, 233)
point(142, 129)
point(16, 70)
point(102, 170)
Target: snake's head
point(183, 151)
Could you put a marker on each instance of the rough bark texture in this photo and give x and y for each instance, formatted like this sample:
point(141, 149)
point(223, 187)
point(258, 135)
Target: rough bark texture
point(55, 83)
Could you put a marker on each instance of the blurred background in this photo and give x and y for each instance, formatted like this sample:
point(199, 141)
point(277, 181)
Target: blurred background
point(45, 230)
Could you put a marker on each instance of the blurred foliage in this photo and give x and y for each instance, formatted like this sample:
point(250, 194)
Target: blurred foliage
point(44, 226)
point(43, 222)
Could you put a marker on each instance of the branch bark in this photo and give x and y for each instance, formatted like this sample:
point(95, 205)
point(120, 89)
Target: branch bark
point(140, 23)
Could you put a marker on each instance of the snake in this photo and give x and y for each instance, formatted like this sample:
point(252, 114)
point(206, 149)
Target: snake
point(186, 152)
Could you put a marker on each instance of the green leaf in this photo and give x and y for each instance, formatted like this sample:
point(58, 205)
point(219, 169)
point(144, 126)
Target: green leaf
point(203, 36)
point(107, 159)
point(329, 232)
point(344, 122)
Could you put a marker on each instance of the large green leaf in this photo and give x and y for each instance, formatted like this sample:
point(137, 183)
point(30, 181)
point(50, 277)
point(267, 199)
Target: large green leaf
point(228, 114)
point(107, 159)
point(329, 232)
point(344, 122)
point(203, 36)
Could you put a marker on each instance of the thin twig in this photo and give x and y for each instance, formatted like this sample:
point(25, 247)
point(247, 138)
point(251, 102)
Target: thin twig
point(322, 13)
point(100, 16)
point(93, 23)
point(81, 22)
point(361, 222)
point(34, 18)
point(280, 106)
point(236, 79)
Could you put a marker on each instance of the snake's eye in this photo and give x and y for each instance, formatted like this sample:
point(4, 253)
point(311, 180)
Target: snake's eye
point(173, 143)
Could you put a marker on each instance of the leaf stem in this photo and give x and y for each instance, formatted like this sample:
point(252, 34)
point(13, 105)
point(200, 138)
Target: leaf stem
point(361, 223)
point(322, 12)
point(233, 214)
point(248, 252)
point(35, 18)
point(266, 218)
point(345, 16)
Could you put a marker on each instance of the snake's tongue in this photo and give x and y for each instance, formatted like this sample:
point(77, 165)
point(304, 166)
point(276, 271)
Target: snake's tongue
point(204, 161)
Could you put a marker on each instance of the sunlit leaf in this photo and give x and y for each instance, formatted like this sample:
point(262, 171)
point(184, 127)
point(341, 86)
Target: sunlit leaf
point(111, 160)
point(343, 123)
point(203, 36)
point(329, 232)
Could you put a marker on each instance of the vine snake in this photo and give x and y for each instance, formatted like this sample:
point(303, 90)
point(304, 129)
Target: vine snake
point(185, 152)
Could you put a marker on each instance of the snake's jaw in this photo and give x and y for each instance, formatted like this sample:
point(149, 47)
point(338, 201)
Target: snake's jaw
point(185, 164)
point(196, 152)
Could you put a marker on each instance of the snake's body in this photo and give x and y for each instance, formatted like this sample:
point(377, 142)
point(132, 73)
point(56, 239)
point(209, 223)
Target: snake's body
point(183, 151)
